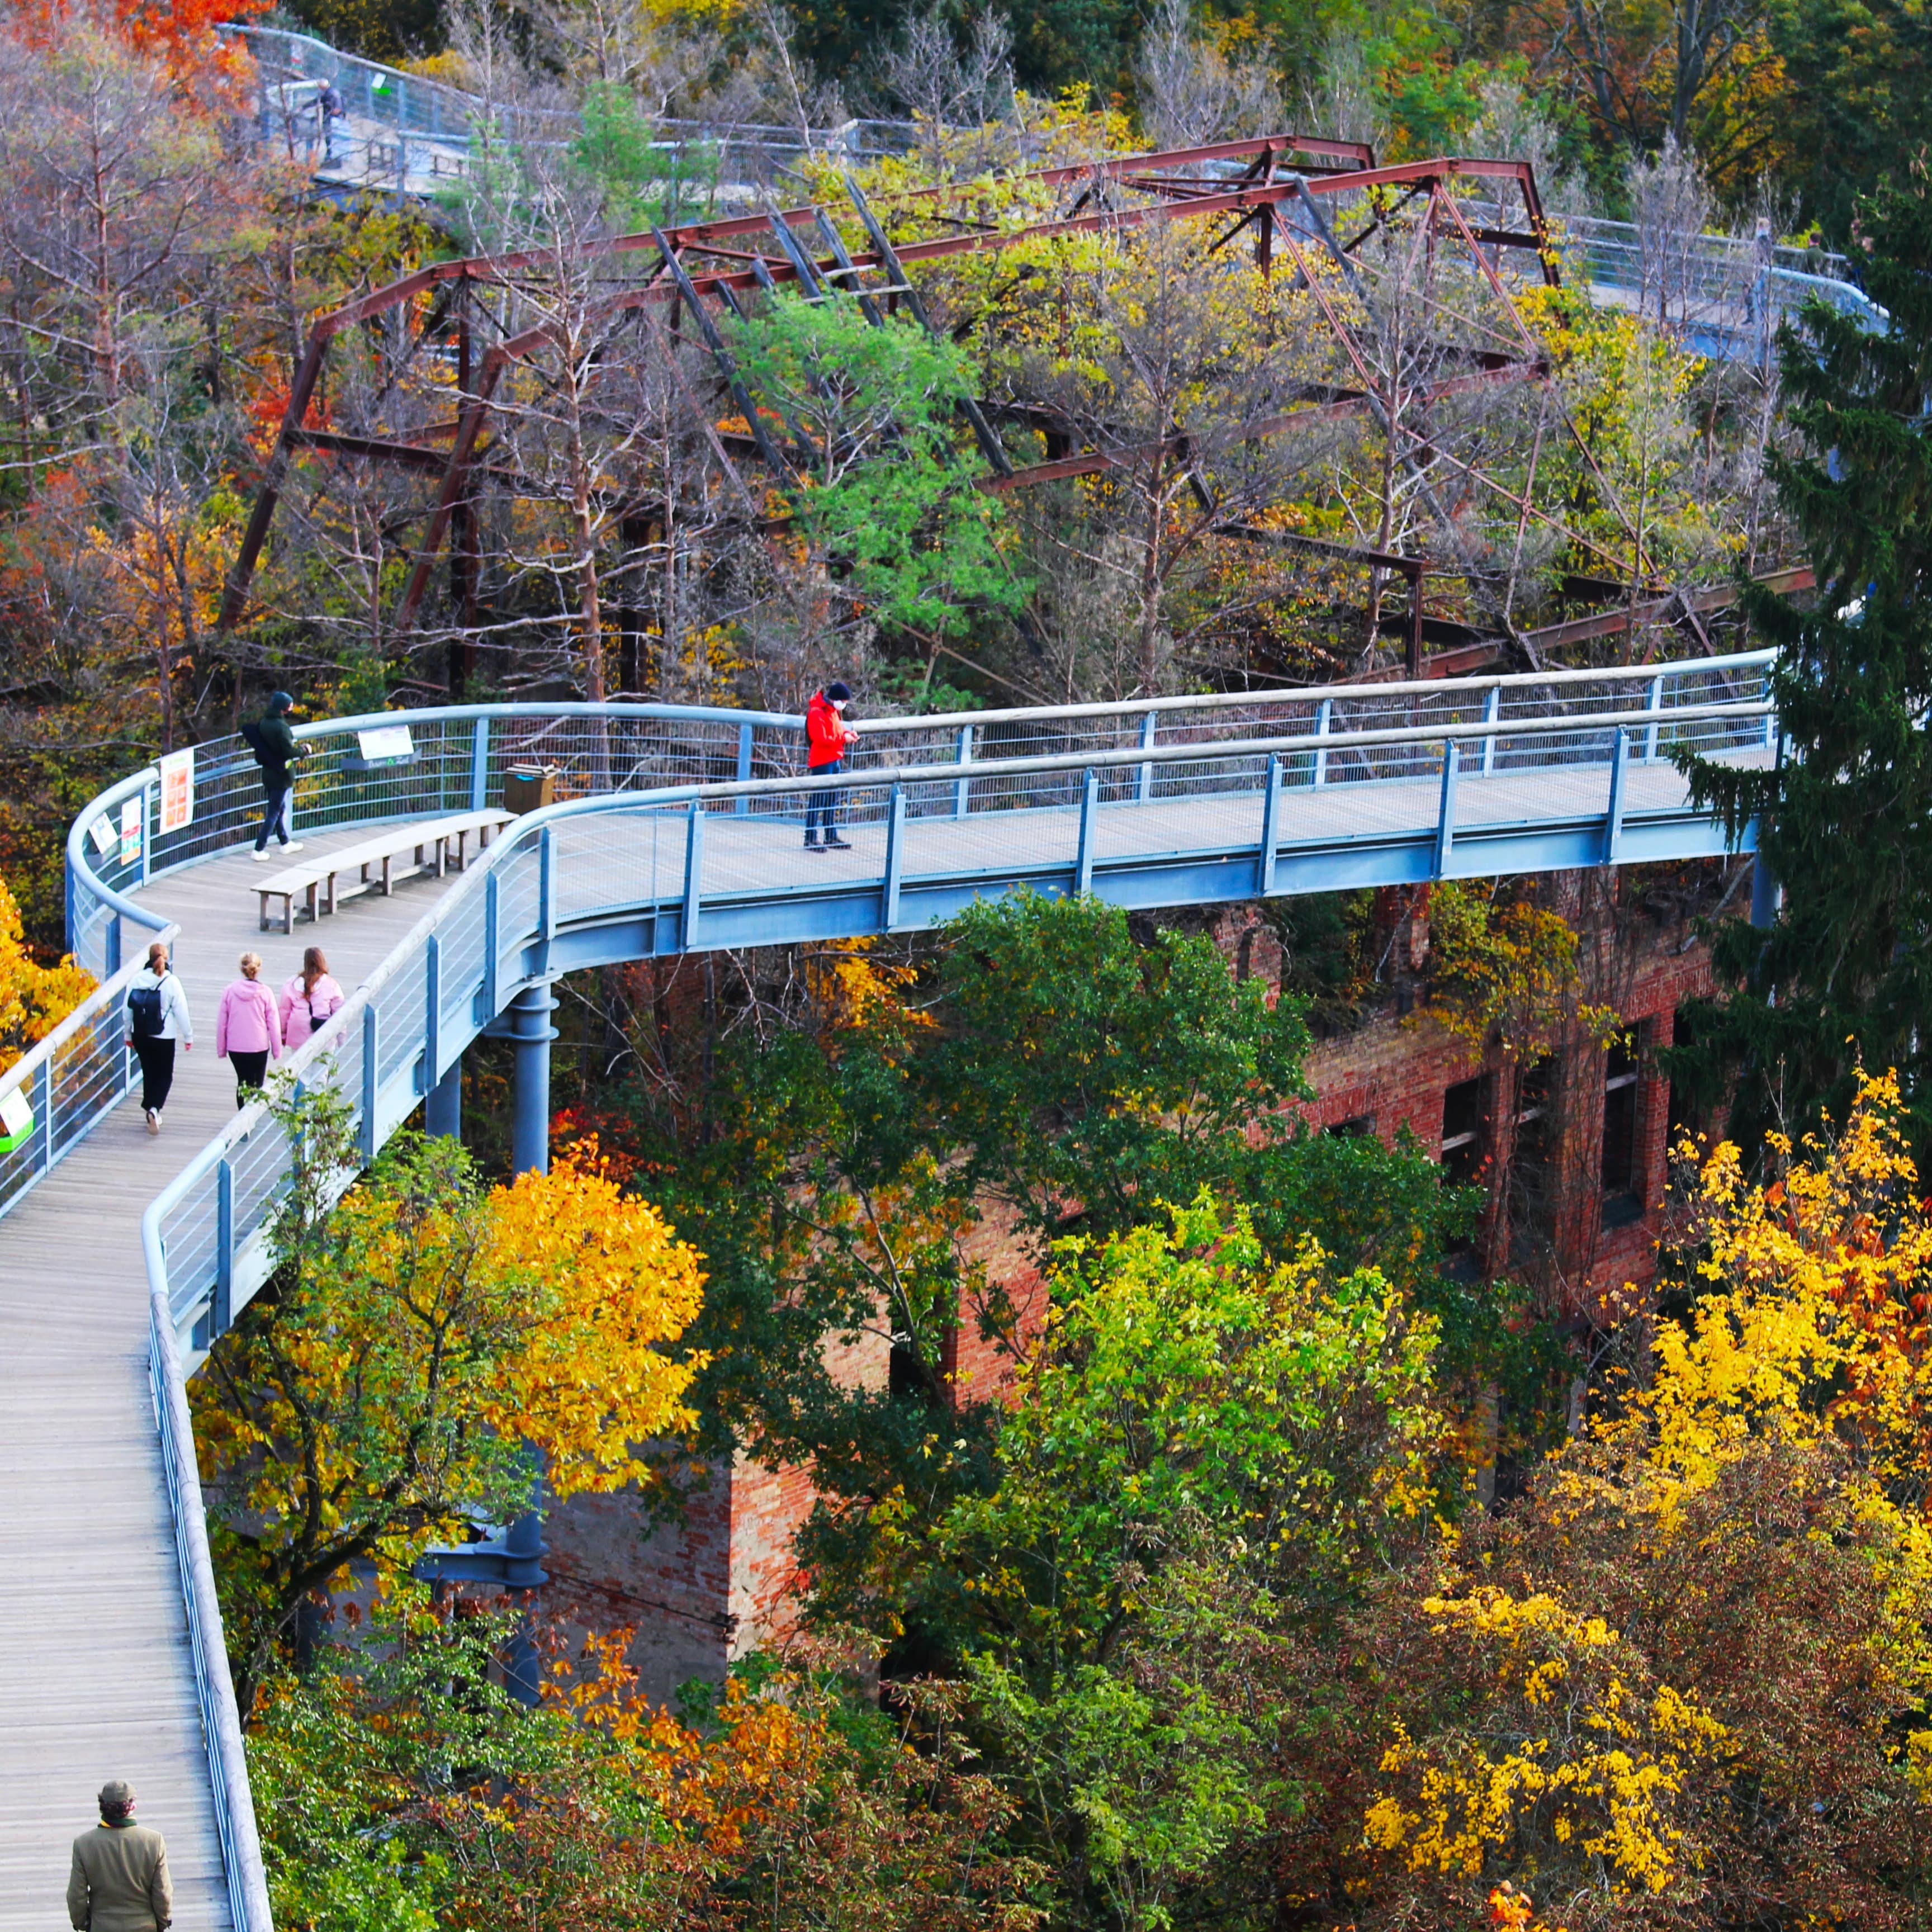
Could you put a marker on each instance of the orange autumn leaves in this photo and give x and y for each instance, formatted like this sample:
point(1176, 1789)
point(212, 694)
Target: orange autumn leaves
point(34, 999)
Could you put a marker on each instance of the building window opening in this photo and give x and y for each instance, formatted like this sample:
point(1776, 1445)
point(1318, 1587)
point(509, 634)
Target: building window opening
point(1687, 1112)
point(1462, 1132)
point(1357, 1127)
point(1530, 1164)
point(1623, 1090)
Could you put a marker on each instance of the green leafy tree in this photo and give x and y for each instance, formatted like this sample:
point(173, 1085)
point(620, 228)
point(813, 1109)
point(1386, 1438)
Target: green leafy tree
point(887, 493)
point(1210, 1441)
point(1046, 1067)
point(1845, 819)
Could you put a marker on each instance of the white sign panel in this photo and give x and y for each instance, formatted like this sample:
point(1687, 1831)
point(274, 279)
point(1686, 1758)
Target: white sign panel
point(386, 741)
point(133, 811)
point(102, 833)
point(16, 1116)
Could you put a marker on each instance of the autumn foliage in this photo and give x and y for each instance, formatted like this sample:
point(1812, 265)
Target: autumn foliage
point(34, 999)
point(427, 1351)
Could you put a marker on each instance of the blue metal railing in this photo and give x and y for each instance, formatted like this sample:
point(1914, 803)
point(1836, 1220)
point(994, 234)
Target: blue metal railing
point(427, 127)
point(621, 865)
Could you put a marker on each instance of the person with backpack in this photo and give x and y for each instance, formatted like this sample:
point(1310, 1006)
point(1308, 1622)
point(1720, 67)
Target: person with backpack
point(330, 112)
point(248, 1029)
point(157, 1019)
point(308, 999)
point(275, 749)
point(827, 738)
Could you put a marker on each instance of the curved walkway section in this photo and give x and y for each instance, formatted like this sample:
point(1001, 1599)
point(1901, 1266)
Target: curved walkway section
point(687, 835)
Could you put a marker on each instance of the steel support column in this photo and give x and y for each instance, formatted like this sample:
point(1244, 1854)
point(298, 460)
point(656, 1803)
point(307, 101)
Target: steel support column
point(531, 1032)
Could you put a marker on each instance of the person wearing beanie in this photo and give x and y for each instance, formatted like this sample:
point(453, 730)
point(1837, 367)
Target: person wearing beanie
point(827, 738)
point(275, 749)
point(119, 1880)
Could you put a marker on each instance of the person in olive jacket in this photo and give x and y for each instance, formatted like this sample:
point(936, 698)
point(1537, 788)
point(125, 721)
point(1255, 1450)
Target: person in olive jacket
point(275, 751)
point(120, 1881)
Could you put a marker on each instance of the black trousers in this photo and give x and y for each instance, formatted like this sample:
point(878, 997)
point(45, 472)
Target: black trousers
point(250, 1070)
point(274, 810)
point(822, 814)
point(158, 1071)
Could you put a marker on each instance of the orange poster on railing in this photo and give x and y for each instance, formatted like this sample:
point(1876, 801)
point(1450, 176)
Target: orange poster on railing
point(177, 771)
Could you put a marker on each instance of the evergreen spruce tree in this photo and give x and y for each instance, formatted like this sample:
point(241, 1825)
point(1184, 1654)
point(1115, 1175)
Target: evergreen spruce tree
point(1845, 821)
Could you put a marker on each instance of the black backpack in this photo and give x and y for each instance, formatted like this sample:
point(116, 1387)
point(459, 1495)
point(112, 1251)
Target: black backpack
point(251, 736)
point(144, 1011)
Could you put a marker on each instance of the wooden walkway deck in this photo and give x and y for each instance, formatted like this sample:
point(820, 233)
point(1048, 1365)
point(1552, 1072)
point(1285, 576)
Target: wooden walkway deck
point(95, 1678)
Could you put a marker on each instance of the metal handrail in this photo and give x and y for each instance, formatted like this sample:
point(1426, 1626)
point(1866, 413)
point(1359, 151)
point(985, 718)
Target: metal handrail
point(1340, 694)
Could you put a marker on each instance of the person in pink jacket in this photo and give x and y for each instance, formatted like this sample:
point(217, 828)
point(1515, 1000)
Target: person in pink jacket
point(247, 1029)
point(308, 999)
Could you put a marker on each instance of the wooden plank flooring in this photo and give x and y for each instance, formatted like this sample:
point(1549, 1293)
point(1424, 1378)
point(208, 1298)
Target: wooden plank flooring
point(95, 1680)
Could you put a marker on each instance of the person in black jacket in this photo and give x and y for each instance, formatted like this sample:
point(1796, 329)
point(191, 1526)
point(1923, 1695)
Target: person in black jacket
point(275, 751)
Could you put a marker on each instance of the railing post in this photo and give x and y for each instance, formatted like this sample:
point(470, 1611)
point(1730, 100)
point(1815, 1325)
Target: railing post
point(147, 820)
point(888, 895)
point(1148, 724)
point(432, 1012)
point(743, 807)
point(371, 1036)
point(546, 887)
point(221, 1314)
point(479, 765)
point(43, 1107)
point(1492, 707)
point(963, 785)
point(492, 923)
point(1323, 712)
point(1270, 836)
point(1654, 702)
point(1445, 818)
point(1090, 803)
point(1613, 815)
point(694, 873)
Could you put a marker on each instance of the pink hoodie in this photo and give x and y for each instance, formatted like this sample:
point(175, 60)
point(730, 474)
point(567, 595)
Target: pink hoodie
point(246, 1021)
point(303, 1015)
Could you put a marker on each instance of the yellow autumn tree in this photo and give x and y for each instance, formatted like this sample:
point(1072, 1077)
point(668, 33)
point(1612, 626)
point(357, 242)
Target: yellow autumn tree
point(33, 998)
point(1688, 1675)
point(437, 1347)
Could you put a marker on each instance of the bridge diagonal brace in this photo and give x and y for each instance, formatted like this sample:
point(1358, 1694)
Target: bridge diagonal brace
point(990, 446)
point(727, 367)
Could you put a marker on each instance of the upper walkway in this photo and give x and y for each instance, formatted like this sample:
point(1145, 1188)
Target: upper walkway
point(122, 1256)
point(402, 133)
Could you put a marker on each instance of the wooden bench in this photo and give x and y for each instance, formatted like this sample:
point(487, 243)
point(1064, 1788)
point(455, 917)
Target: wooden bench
point(431, 845)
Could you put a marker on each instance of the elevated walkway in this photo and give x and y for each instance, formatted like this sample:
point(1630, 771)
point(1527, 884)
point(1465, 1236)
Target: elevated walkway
point(122, 1256)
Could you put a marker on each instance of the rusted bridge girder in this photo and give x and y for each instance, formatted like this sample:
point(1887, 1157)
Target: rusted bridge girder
point(700, 264)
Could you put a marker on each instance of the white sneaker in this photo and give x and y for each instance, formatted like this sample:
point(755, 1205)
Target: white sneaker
point(153, 1120)
point(293, 845)
point(261, 855)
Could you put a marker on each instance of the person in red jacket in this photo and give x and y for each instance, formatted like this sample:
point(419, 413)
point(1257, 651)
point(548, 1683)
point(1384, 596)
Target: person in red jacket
point(828, 737)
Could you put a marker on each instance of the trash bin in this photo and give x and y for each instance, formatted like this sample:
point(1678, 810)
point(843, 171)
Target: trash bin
point(527, 787)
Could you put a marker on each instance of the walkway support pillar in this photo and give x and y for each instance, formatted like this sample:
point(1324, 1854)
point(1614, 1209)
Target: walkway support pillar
point(442, 1105)
point(532, 1032)
point(1765, 893)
